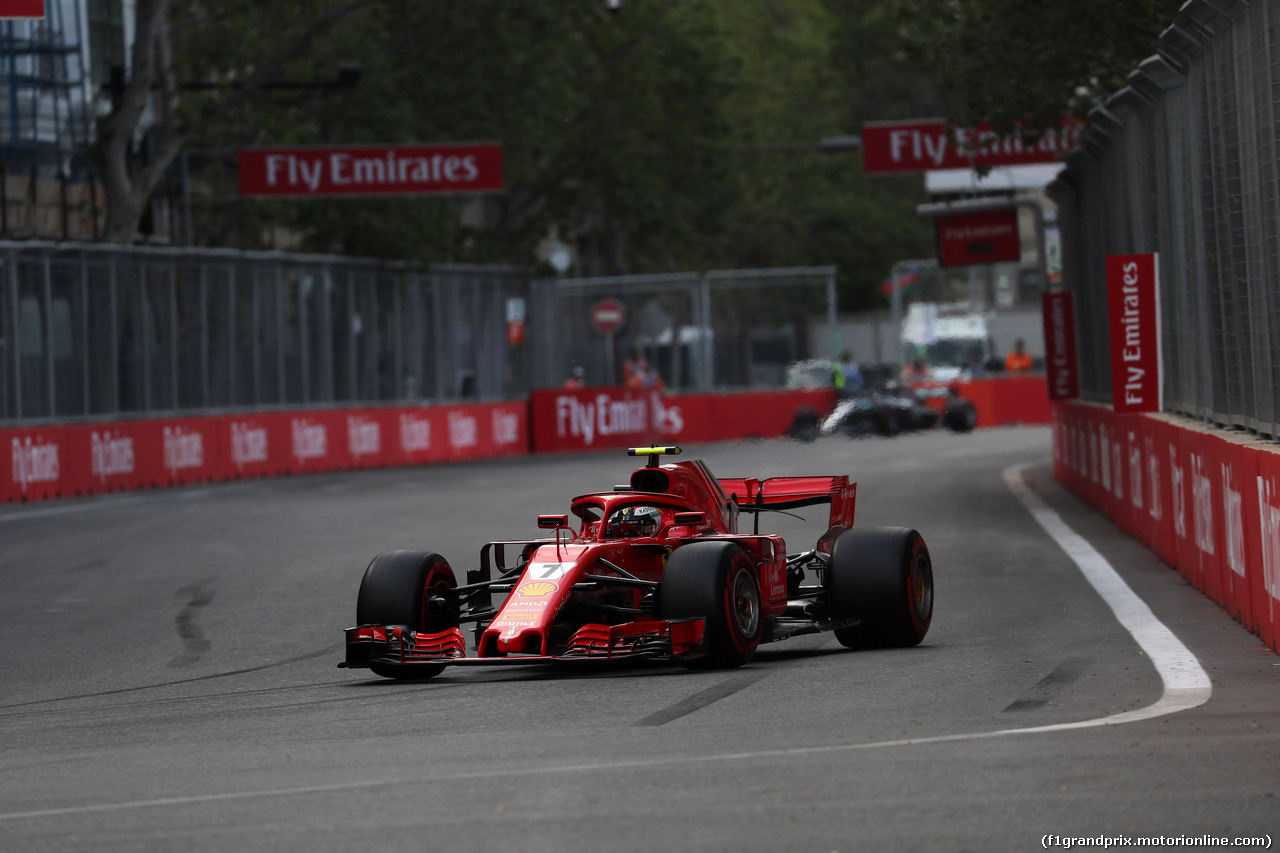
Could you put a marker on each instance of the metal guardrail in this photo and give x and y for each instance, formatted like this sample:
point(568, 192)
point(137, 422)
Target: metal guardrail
point(1185, 161)
point(103, 332)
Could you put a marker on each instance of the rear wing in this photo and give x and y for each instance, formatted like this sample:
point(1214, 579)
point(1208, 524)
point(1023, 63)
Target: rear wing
point(777, 493)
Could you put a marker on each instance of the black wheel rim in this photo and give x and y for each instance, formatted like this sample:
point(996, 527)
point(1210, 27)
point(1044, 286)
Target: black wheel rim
point(744, 603)
point(921, 590)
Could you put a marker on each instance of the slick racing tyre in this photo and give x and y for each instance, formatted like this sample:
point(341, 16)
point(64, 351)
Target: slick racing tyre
point(890, 423)
point(882, 576)
point(960, 416)
point(397, 589)
point(717, 581)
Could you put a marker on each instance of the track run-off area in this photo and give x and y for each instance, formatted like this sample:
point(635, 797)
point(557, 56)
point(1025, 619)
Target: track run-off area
point(169, 679)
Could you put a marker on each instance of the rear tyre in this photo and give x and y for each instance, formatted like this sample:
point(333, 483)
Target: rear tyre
point(716, 581)
point(960, 416)
point(882, 576)
point(397, 590)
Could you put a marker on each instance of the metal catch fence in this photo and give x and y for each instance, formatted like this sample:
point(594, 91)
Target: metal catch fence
point(1185, 162)
point(90, 331)
point(699, 332)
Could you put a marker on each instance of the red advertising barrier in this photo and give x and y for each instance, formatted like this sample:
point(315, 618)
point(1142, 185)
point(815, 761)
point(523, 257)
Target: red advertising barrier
point(607, 416)
point(998, 400)
point(1265, 551)
point(85, 459)
point(1207, 502)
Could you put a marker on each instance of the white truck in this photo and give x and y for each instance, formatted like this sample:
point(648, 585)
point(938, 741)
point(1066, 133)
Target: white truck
point(946, 338)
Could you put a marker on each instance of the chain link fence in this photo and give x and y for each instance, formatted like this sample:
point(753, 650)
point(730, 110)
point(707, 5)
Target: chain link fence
point(700, 332)
point(107, 332)
point(1184, 162)
point(91, 331)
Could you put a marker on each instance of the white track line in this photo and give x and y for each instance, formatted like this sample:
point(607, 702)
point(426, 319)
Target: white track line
point(1186, 685)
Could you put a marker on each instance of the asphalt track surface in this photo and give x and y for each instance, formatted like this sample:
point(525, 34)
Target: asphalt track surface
point(168, 680)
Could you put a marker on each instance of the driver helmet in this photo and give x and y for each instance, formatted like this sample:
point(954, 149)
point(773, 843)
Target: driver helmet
point(643, 520)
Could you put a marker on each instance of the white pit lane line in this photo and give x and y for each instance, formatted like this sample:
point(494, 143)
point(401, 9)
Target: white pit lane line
point(1186, 686)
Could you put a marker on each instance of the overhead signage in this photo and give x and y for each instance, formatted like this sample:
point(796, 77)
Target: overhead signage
point(980, 237)
point(1133, 303)
point(932, 144)
point(371, 170)
point(1060, 345)
point(21, 9)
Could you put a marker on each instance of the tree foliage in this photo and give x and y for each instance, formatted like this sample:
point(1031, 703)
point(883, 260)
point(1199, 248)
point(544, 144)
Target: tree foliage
point(235, 47)
point(650, 139)
point(1006, 61)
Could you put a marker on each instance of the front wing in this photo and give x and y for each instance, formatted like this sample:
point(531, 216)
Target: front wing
point(395, 646)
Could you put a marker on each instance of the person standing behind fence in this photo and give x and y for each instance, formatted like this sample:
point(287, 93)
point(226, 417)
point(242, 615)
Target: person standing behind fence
point(576, 380)
point(1018, 361)
point(845, 376)
point(977, 367)
point(634, 369)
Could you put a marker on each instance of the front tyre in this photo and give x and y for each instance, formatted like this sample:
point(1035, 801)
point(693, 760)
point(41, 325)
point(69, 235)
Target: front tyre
point(397, 589)
point(716, 581)
point(882, 576)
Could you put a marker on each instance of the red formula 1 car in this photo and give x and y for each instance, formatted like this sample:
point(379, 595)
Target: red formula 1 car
point(653, 569)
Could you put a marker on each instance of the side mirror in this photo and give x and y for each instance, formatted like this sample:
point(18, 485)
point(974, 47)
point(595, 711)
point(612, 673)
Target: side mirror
point(553, 521)
point(693, 519)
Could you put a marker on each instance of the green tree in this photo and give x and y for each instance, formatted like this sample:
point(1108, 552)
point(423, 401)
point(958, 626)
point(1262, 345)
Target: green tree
point(814, 69)
point(648, 136)
point(236, 46)
point(1008, 60)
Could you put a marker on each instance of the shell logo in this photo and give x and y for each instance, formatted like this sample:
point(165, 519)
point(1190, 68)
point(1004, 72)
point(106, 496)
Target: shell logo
point(537, 589)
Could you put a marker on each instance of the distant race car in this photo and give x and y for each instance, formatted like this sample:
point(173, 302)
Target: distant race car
point(881, 405)
point(655, 569)
point(888, 410)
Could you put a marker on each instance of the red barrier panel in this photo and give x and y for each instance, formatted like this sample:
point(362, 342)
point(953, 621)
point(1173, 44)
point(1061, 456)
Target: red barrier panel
point(1204, 454)
point(1058, 432)
point(1082, 456)
point(1161, 450)
point(997, 400)
point(765, 414)
point(1110, 458)
point(81, 459)
point(1266, 583)
point(1235, 467)
point(1021, 400)
point(1207, 502)
point(1128, 439)
point(1093, 489)
point(608, 416)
